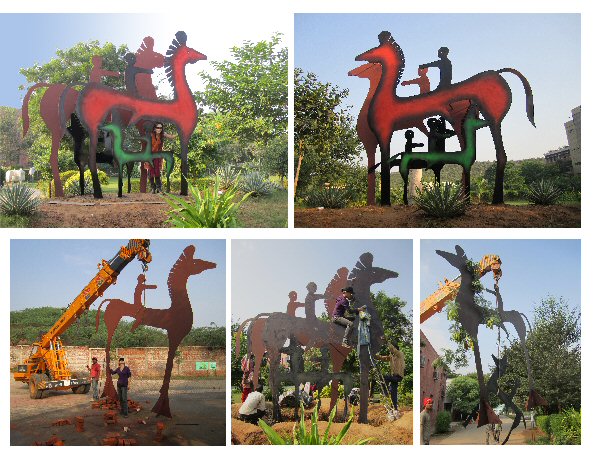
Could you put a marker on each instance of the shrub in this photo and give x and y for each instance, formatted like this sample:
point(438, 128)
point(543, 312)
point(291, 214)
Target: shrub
point(208, 209)
point(327, 197)
point(255, 183)
point(442, 422)
point(301, 435)
point(543, 422)
point(444, 200)
point(543, 192)
point(71, 186)
point(18, 200)
point(326, 392)
point(563, 428)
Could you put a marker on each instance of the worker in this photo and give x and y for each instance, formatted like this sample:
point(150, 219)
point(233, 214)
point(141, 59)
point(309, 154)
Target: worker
point(397, 365)
point(254, 407)
point(344, 314)
point(122, 385)
point(94, 377)
point(426, 415)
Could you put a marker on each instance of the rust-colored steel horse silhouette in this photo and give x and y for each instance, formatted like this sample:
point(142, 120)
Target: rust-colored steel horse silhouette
point(388, 112)
point(96, 102)
point(269, 332)
point(177, 320)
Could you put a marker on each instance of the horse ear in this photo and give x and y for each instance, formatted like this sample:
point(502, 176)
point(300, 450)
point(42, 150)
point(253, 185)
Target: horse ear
point(189, 251)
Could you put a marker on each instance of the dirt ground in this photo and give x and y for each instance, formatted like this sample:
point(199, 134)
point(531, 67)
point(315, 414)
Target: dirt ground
point(477, 216)
point(198, 409)
point(379, 428)
point(140, 210)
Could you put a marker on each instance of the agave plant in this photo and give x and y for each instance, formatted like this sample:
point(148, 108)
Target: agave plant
point(543, 192)
point(227, 175)
point(18, 200)
point(256, 183)
point(327, 197)
point(210, 208)
point(310, 436)
point(444, 200)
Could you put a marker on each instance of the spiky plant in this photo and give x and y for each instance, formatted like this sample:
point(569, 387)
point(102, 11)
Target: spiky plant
point(208, 209)
point(256, 183)
point(227, 175)
point(444, 200)
point(327, 197)
point(18, 200)
point(310, 436)
point(543, 192)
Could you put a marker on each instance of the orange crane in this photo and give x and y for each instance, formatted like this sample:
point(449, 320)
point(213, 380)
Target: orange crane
point(448, 290)
point(47, 366)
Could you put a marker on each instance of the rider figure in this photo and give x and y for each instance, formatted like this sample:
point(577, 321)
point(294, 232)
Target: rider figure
point(344, 314)
point(445, 66)
point(137, 299)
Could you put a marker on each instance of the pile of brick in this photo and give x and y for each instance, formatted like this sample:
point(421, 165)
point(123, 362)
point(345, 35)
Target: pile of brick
point(62, 422)
point(110, 417)
point(118, 441)
point(110, 404)
point(159, 429)
point(79, 424)
point(55, 441)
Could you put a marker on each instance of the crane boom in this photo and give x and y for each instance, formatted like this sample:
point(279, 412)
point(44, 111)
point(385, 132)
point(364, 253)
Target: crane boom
point(47, 365)
point(448, 290)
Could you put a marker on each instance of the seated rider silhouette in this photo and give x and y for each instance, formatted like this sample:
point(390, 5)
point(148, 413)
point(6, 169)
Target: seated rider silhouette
point(445, 66)
point(137, 299)
point(422, 81)
point(344, 314)
point(293, 304)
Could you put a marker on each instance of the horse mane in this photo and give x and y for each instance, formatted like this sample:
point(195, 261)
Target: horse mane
point(175, 272)
point(179, 41)
point(339, 281)
point(400, 55)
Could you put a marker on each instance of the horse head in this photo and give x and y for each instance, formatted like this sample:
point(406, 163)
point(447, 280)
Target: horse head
point(180, 54)
point(388, 53)
point(364, 274)
point(458, 260)
point(193, 265)
point(501, 365)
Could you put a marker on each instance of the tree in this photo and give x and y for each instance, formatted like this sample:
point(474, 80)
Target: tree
point(324, 131)
point(463, 393)
point(13, 148)
point(554, 346)
point(514, 183)
point(251, 89)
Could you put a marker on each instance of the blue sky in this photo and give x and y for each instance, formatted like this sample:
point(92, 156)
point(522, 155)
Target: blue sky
point(34, 38)
point(546, 48)
point(263, 272)
point(531, 270)
point(53, 273)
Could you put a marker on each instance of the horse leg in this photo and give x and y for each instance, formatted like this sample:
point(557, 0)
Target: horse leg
point(273, 383)
point(120, 194)
point(365, 367)
point(500, 164)
point(486, 413)
point(92, 163)
point(385, 172)
point(129, 171)
point(467, 184)
point(58, 188)
point(184, 164)
point(109, 390)
point(371, 176)
point(405, 193)
point(161, 407)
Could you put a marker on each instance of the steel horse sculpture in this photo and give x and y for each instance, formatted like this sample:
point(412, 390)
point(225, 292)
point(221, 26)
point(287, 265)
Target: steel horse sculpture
point(177, 320)
point(388, 112)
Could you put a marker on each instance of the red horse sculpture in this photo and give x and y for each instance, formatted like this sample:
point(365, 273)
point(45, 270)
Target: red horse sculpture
point(96, 102)
point(388, 112)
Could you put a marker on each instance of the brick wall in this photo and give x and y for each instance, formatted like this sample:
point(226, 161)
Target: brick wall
point(431, 384)
point(144, 362)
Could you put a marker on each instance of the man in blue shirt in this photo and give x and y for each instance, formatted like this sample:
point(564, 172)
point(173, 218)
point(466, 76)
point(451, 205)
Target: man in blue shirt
point(124, 375)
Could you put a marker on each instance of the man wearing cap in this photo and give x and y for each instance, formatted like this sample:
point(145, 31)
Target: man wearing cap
point(342, 306)
point(94, 376)
point(426, 421)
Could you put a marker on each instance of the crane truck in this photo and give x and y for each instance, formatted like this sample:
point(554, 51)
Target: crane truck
point(47, 367)
point(448, 290)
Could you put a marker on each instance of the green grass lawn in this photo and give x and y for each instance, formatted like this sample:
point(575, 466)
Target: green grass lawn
point(267, 211)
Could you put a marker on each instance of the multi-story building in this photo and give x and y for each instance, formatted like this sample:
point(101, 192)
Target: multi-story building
point(433, 380)
point(573, 129)
point(560, 154)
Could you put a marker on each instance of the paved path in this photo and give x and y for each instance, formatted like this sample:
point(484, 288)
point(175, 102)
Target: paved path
point(471, 435)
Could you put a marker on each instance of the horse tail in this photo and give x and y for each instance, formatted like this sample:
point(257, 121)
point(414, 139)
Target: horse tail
point(241, 329)
point(25, 106)
point(526, 319)
point(528, 93)
point(61, 105)
point(98, 313)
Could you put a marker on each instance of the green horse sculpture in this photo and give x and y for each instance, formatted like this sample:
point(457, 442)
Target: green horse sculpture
point(123, 157)
point(464, 158)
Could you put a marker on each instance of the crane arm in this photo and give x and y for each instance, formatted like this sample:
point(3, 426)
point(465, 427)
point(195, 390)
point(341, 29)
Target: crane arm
point(448, 290)
point(106, 276)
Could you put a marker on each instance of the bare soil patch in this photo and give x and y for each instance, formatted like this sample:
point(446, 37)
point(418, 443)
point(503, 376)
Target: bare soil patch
point(380, 429)
point(477, 216)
